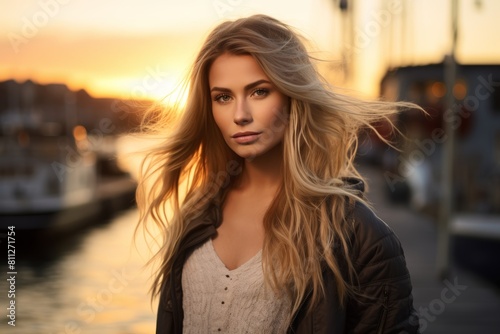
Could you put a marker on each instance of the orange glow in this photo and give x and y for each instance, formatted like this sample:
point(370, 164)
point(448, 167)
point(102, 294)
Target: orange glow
point(97, 50)
point(80, 133)
point(460, 90)
point(132, 67)
point(438, 89)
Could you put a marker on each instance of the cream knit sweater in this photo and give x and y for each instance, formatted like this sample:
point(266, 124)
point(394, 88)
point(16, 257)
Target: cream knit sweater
point(218, 300)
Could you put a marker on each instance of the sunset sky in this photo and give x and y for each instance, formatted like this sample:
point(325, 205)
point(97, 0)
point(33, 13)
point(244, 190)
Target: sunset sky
point(127, 48)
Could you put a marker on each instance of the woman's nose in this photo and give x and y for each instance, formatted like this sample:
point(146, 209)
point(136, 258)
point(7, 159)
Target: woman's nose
point(242, 114)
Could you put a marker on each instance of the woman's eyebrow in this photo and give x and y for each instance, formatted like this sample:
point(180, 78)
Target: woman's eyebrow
point(247, 87)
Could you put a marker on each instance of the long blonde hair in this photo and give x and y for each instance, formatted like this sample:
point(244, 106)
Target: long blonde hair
point(307, 218)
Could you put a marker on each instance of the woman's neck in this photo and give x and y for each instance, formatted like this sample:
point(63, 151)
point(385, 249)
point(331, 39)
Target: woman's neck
point(263, 172)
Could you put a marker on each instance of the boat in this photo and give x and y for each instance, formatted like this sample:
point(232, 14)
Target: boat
point(46, 166)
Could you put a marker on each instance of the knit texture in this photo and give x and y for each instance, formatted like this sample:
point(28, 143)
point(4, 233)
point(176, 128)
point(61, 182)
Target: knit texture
point(218, 300)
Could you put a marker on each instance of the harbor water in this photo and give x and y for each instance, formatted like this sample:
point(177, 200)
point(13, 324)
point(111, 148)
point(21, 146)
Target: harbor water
point(94, 280)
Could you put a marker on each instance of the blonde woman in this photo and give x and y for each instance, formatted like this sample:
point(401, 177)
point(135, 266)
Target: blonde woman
point(268, 230)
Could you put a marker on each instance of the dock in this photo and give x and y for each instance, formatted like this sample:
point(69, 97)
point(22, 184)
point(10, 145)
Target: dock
point(465, 301)
point(112, 194)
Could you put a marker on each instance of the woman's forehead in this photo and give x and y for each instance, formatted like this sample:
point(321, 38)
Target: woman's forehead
point(235, 70)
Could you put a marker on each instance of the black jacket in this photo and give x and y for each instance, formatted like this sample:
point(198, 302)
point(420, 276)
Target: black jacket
point(384, 281)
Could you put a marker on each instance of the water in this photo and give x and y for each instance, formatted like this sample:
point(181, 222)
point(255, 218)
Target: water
point(92, 281)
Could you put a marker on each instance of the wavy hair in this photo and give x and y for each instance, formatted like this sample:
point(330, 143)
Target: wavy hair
point(306, 220)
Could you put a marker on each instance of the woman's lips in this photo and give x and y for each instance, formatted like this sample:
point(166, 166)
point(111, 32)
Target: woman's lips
point(246, 137)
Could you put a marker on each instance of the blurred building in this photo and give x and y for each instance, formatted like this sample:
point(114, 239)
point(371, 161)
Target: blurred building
point(477, 125)
point(55, 144)
point(415, 173)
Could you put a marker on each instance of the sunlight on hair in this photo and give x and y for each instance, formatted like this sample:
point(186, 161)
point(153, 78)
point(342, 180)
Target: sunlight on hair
point(174, 96)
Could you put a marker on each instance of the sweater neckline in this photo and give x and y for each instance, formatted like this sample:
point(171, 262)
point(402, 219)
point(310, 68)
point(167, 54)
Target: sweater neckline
point(243, 267)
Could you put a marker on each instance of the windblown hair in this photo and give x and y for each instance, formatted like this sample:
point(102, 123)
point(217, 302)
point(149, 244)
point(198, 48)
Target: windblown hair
point(307, 219)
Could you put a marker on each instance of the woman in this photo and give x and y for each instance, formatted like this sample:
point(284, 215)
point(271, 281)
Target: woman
point(267, 229)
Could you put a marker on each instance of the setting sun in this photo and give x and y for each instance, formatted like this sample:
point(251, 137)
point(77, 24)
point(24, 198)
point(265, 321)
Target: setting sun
point(128, 49)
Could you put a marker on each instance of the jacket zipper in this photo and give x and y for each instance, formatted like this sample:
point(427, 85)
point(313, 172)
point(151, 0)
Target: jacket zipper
point(384, 311)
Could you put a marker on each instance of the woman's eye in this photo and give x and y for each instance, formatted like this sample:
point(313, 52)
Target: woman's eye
point(222, 98)
point(261, 92)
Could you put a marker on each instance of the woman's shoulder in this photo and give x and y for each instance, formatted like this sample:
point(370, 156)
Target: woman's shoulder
point(367, 226)
point(373, 242)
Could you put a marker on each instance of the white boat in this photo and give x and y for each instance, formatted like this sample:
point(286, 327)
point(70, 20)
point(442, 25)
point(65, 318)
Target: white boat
point(48, 175)
point(46, 166)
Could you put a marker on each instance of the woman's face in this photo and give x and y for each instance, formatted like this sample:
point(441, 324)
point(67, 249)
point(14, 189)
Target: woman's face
point(249, 111)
